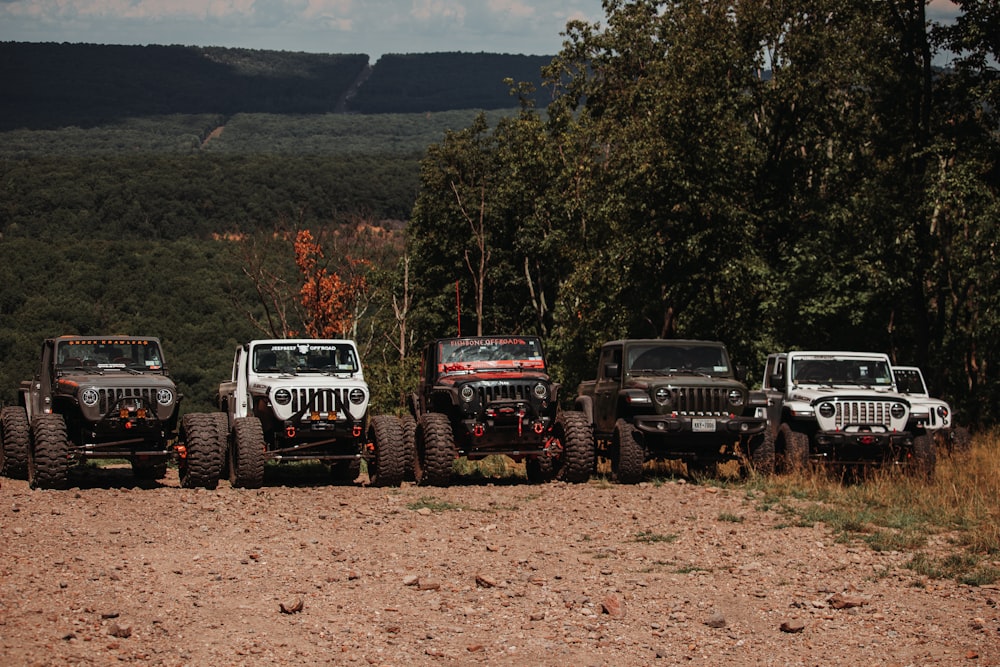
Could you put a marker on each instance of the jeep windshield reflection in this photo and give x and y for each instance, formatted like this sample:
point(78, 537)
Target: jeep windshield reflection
point(304, 358)
point(108, 354)
point(658, 359)
point(468, 354)
point(833, 371)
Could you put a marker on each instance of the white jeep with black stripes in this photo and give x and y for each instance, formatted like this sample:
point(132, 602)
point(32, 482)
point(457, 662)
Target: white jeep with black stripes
point(305, 399)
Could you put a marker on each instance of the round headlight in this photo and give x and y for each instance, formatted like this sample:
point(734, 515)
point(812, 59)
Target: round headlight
point(662, 395)
point(898, 411)
point(164, 397)
point(282, 397)
point(541, 391)
point(90, 397)
point(736, 397)
point(826, 410)
point(468, 393)
point(357, 396)
point(942, 412)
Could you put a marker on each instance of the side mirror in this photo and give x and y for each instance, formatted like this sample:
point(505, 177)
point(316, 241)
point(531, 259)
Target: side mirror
point(778, 382)
point(612, 371)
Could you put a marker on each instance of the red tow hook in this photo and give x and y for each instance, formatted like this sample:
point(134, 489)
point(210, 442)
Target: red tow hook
point(357, 430)
point(478, 430)
point(539, 427)
point(289, 432)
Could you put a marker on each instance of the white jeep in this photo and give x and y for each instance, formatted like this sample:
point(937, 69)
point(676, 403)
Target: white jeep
point(929, 414)
point(842, 408)
point(305, 399)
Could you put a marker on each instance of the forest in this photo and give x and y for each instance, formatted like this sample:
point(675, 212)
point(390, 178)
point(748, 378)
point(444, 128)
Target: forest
point(799, 174)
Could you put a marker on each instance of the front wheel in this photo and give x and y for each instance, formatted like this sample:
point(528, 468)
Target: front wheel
point(48, 455)
point(579, 452)
point(435, 450)
point(246, 454)
point(626, 454)
point(762, 452)
point(15, 438)
point(924, 456)
point(796, 449)
point(204, 440)
point(386, 467)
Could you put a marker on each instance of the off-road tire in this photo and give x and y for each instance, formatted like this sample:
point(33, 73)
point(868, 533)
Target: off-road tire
point(924, 456)
point(152, 468)
point(220, 421)
point(960, 440)
point(386, 467)
point(540, 468)
point(346, 471)
point(579, 452)
point(15, 438)
point(246, 454)
point(435, 450)
point(762, 454)
point(795, 449)
point(48, 454)
point(408, 427)
point(204, 444)
point(626, 454)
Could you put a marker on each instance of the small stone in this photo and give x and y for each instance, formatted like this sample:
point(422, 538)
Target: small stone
point(475, 648)
point(484, 581)
point(537, 616)
point(428, 585)
point(292, 607)
point(792, 626)
point(841, 601)
point(716, 620)
point(424, 511)
point(613, 606)
point(411, 580)
point(120, 631)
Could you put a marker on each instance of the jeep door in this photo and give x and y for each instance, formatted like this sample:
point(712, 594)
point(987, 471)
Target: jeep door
point(609, 374)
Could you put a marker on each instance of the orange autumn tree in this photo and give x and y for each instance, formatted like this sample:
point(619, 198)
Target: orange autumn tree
point(327, 298)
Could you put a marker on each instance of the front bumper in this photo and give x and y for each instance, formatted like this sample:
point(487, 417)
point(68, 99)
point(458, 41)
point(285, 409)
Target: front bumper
point(727, 427)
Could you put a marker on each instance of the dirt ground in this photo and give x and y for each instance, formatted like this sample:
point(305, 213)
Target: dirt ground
point(303, 572)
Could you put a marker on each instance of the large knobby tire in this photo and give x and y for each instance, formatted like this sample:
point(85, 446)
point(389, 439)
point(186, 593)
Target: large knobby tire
point(386, 467)
point(246, 454)
point(408, 425)
point(151, 468)
point(960, 439)
point(48, 454)
point(540, 469)
point(795, 447)
point(204, 444)
point(435, 450)
point(762, 452)
point(15, 439)
point(579, 450)
point(626, 454)
point(924, 456)
point(220, 422)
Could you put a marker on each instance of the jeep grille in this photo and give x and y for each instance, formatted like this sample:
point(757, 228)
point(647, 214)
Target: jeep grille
point(513, 391)
point(320, 400)
point(700, 400)
point(109, 397)
point(862, 412)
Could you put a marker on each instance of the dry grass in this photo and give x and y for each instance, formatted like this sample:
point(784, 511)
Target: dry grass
point(891, 511)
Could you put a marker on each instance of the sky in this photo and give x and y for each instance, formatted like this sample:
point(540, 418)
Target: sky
point(373, 27)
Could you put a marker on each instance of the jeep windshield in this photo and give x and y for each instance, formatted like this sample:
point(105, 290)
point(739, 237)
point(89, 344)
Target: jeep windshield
point(304, 357)
point(656, 359)
point(111, 354)
point(499, 353)
point(840, 371)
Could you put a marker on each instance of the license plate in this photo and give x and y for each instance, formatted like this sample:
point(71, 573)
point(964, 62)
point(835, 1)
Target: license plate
point(703, 425)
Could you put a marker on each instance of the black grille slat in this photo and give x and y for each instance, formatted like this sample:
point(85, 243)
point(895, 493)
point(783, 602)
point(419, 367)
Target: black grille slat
point(321, 400)
point(110, 397)
point(514, 391)
point(699, 400)
point(862, 412)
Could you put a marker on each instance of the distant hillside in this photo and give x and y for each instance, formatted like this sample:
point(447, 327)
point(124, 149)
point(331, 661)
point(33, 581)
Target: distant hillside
point(445, 81)
point(56, 85)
